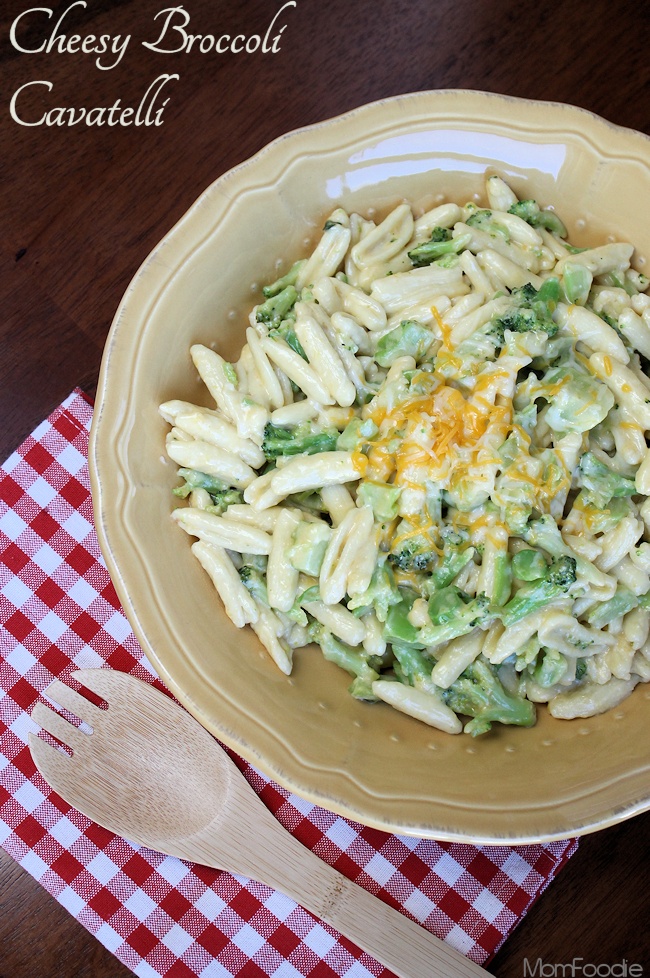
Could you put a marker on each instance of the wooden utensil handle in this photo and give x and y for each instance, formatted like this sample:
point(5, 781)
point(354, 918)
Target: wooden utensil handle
point(397, 942)
point(280, 861)
point(252, 842)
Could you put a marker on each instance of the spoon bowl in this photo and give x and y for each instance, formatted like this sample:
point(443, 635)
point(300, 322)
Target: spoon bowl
point(150, 772)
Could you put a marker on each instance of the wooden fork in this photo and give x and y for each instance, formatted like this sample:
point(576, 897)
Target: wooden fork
point(150, 772)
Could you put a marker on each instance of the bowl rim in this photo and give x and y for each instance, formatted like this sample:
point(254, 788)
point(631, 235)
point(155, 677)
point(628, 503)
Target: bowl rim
point(150, 273)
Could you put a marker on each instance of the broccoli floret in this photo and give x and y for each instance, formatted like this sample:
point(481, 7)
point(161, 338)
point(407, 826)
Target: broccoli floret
point(453, 613)
point(530, 211)
point(222, 496)
point(440, 234)
point(383, 499)
point(306, 438)
point(484, 344)
point(550, 668)
point(531, 597)
point(197, 480)
point(482, 220)
point(222, 500)
point(456, 555)
point(577, 401)
point(276, 307)
point(480, 694)
point(545, 534)
point(576, 281)
point(413, 555)
point(281, 283)
point(410, 338)
point(581, 668)
point(600, 483)
point(439, 244)
point(356, 434)
point(531, 310)
point(253, 579)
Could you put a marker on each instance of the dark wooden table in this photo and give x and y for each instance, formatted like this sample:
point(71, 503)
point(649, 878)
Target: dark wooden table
point(83, 205)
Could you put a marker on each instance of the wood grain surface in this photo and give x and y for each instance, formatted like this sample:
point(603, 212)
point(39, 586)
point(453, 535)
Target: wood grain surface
point(82, 206)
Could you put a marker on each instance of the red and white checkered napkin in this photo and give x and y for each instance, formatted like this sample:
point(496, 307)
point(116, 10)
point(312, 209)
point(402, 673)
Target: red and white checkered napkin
point(159, 915)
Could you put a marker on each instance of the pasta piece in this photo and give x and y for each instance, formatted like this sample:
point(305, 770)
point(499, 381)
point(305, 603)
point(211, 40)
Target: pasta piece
point(305, 473)
point(337, 501)
point(512, 275)
point(300, 372)
point(500, 196)
point(386, 240)
point(203, 457)
point(269, 630)
point(327, 257)
point(560, 631)
point(206, 425)
point(254, 388)
point(443, 216)
point(616, 542)
point(323, 358)
point(268, 377)
point(455, 658)
point(264, 519)
point(589, 328)
point(606, 258)
point(630, 392)
point(635, 330)
point(338, 620)
point(260, 495)
point(590, 699)
point(416, 703)
point(294, 413)
point(343, 551)
point(248, 417)
point(480, 282)
point(240, 537)
point(240, 606)
point(397, 292)
point(281, 576)
point(374, 641)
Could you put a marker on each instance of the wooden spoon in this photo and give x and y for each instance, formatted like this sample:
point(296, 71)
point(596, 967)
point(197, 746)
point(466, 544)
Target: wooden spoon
point(153, 774)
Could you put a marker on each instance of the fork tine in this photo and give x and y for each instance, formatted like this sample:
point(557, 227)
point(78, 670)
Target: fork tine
point(53, 764)
point(53, 723)
point(74, 702)
point(103, 682)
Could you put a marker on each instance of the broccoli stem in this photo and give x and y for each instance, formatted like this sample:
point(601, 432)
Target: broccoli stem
point(621, 602)
point(414, 667)
point(281, 283)
point(451, 618)
point(353, 661)
point(275, 309)
point(531, 597)
point(441, 243)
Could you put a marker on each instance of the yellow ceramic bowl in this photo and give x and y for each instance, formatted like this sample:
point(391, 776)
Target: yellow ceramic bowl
point(367, 762)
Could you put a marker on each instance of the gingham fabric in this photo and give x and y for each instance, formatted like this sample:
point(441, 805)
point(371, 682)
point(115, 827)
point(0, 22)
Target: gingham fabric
point(161, 916)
